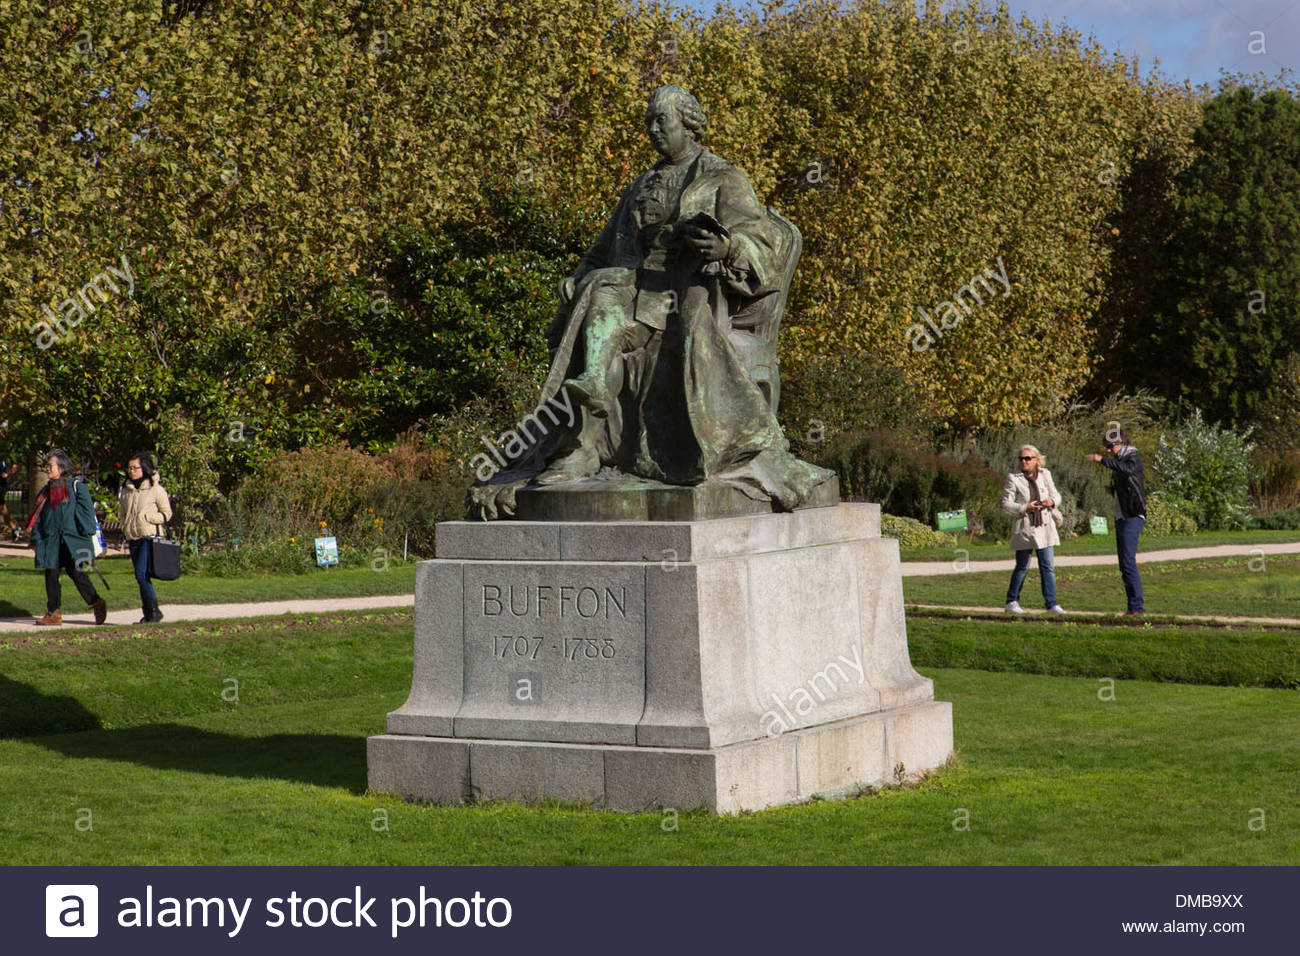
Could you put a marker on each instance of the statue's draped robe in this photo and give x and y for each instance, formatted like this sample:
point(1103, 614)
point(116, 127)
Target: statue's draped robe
point(688, 411)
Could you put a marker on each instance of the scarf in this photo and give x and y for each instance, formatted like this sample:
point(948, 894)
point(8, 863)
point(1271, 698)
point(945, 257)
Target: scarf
point(1035, 517)
point(58, 492)
point(54, 494)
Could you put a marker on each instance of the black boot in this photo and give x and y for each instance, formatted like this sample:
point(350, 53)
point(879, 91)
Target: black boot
point(146, 608)
point(155, 615)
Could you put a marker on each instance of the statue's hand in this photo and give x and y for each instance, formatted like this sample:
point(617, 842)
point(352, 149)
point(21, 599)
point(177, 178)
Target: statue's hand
point(708, 244)
point(567, 285)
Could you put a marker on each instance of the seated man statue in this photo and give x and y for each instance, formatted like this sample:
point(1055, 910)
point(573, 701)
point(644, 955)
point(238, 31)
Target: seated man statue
point(640, 342)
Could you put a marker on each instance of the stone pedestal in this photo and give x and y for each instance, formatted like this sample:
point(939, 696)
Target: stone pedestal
point(731, 663)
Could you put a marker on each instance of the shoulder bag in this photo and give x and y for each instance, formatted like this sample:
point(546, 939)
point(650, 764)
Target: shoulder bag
point(164, 557)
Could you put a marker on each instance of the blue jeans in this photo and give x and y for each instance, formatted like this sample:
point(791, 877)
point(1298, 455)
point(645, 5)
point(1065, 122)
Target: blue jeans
point(140, 559)
point(1046, 571)
point(1126, 544)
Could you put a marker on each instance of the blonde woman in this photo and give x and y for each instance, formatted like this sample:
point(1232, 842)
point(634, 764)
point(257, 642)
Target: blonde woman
point(1030, 496)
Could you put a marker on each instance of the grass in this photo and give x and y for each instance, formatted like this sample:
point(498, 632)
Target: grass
point(1048, 772)
point(1105, 544)
point(117, 677)
point(23, 586)
point(1234, 587)
point(1226, 656)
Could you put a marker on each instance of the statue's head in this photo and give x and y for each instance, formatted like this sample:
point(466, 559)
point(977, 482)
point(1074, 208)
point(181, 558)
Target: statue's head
point(671, 115)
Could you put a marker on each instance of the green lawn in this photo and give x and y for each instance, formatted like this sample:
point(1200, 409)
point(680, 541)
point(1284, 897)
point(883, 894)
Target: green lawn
point(1237, 587)
point(1105, 544)
point(22, 586)
point(1048, 771)
point(1227, 656)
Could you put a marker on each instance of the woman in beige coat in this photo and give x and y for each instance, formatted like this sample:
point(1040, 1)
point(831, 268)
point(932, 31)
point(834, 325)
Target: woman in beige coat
point(1030, 496)
point(144, 507)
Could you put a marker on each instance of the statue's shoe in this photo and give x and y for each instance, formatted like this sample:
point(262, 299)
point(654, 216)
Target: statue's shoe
point(589, 392)
point(582, 463)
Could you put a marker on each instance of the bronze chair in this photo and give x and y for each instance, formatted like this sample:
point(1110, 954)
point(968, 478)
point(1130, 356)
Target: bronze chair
point(755, 329)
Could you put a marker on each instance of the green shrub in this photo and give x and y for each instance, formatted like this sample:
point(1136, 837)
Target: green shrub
point(282, 554)
point(1275, 480)
point(1285, 520)
point(1209, 466)
point(913, 534)
point(1080, 484)
point(379, 507)
point(908, 478)
point(184, 459)
point(827, 396)
point(1278, 421)
point(1168, 516)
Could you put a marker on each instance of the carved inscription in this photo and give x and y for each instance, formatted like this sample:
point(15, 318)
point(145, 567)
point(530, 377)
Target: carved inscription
point(554, 601)
point(576, 628)
point(512, 647)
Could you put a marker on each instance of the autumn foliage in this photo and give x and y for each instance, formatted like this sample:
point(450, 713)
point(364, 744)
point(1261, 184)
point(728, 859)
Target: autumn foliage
point(254, 162)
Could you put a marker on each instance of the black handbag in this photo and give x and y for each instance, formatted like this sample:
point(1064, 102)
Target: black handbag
point(164, 558)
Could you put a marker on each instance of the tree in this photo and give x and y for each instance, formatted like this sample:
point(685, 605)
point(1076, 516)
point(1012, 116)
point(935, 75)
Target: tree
point(1222, 333)
point(243, 157)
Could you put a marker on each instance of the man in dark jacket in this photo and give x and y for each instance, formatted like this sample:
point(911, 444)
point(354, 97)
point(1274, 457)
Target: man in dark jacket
point(1130, 508)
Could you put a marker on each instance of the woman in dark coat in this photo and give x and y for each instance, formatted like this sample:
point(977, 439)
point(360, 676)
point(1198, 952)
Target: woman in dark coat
point(62, 529)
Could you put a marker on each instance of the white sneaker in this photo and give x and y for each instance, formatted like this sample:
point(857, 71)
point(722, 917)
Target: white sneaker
point(1056, 609)
point(1013, 607)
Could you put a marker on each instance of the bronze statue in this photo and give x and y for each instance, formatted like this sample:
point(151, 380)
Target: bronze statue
point(665, 339)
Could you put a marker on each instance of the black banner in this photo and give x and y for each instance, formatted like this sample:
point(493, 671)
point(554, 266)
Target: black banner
point(193, 910)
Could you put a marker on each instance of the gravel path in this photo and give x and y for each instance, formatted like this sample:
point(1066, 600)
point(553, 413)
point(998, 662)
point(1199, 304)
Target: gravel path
point(198, 612)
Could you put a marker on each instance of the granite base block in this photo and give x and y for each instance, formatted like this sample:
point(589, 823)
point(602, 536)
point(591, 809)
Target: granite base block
point(630, 499)
point(730, 663)
point(831, 760)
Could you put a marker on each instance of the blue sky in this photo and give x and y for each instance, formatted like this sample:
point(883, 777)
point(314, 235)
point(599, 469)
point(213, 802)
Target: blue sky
point(1192, 39)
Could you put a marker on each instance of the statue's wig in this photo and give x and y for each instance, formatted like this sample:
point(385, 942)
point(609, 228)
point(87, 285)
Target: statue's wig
point(687, 106)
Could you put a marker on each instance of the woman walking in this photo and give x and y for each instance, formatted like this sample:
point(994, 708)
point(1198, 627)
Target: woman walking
point(145, 508)
point(62, 528)
point(1030, 495)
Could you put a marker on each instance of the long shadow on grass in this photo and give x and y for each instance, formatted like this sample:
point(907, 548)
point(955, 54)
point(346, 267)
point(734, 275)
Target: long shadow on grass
point(323, 760)
point(25, 712)
point(64, 725)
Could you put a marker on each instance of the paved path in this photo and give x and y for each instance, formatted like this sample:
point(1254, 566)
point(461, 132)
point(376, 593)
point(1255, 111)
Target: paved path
point(997, 612)
point(200, 612)
point(926, 568)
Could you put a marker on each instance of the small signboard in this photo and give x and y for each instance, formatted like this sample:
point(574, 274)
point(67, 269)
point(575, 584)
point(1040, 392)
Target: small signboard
point(1097, 525)
point(327, 551)
point(952, 520)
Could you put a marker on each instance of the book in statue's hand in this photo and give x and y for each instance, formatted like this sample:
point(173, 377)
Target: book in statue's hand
point(702, 220)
